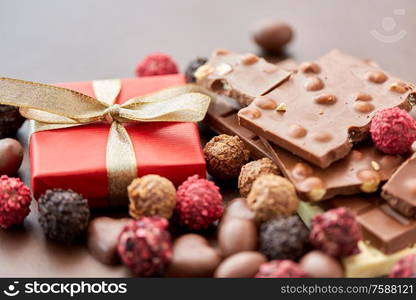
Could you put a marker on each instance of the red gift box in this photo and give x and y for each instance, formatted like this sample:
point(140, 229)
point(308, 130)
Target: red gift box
point(75, 158)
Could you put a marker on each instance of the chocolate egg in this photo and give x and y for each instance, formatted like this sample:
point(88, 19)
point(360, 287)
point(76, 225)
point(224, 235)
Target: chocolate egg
point(11, 156)
point(241, 265)
point(272, 35)
point(193, 257)
point(320, 265)
point(237, 208)
point(237, 235)
point(102, 238)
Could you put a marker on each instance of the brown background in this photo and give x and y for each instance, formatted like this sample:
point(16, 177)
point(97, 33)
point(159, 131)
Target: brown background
point(56, 41)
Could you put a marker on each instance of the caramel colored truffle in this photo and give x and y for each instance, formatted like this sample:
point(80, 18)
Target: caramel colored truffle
point(271, 196)
point(151, 195)
point(225, 155)
point(252, 170)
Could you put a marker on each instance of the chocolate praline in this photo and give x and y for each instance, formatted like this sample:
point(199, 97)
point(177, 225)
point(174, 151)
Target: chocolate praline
point(63, 215)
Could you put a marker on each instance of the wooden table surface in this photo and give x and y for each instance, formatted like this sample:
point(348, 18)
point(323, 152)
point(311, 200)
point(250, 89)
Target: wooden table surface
point(57, 41)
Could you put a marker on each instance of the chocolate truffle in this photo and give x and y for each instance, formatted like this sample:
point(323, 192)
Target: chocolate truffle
point(192, 67)
point(11, 156)
point(272, 196)
point(15, 199)
point(144, 246)
point(404, 268)
point(284, 238)
point(252, 170)
point(199, 203)
point(272, 35)
point(63, 215)
point(336, 232)
point(281, 269)
point(225, 155)
point(320, 265)
point(151, 195)
point(10, 121)
point(237, 208)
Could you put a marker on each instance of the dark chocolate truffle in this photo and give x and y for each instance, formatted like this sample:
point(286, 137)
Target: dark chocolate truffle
point(63, 215)
point(10, 121)
point(192, 67)
point(225, 155)
point(284, 238)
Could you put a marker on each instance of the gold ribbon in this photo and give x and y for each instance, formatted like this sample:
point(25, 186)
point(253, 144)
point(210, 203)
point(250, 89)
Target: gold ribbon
point(54, 107)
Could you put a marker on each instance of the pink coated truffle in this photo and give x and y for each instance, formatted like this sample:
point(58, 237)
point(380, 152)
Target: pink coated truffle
point(404, 268)
point(156, 64)
point(144, 245)
point(198, 203)
point(15, 199)
point(336, 232)
point(393, 130)
point(281, 269)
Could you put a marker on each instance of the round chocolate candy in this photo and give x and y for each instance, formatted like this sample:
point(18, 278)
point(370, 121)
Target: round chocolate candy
point(237, 235)
point(272, 35)
point(320, 265)
point(241, 265)
point(11, 156)
point(237, 208)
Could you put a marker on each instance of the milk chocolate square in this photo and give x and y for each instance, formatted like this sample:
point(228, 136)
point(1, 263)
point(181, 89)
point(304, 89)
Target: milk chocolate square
point(324, 108)
point(242, 77)
point(400, 190)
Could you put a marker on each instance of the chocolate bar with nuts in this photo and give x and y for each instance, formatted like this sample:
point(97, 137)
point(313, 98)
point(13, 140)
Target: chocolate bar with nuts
point(326, 107)
point(362, 170)
point(400, 189)
point(383, 227)
point(242, 77)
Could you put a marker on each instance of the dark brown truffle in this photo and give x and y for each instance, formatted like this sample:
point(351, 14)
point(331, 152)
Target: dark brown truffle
point(10, 121)
point(225, 155)
point(151, 195)
point(252, 170)
point(284, 238)
point(63, 215)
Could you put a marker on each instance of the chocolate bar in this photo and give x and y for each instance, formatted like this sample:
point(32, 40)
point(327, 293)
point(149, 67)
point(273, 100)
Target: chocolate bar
point(400, 190)
point(383, 227)
point(361, 170)
point(326, 107)
point(242, 77)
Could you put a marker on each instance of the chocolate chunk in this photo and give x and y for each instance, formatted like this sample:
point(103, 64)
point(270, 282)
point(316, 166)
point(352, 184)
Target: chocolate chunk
point(353, 174)
point(242, 77)
point(400, 189)
point(323, 105)
point(382, 227)
point(102, 238)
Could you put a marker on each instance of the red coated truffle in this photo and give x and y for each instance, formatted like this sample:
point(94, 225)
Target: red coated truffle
point(198, 203)
point(336, 232)
point(156, 64)
point(393, 130)
point(144, 245)
point(14, 201)
point(281, 269)
point(404, 268)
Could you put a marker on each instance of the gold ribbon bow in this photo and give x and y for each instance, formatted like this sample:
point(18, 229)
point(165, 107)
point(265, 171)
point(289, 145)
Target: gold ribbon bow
point(55, 107)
